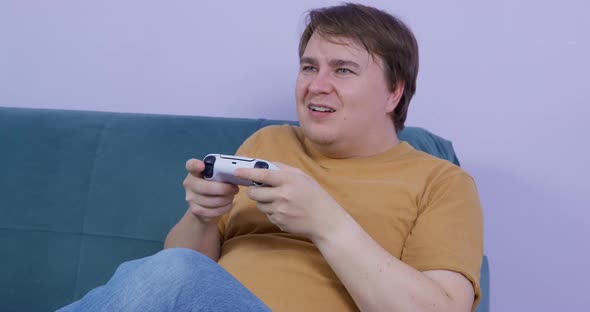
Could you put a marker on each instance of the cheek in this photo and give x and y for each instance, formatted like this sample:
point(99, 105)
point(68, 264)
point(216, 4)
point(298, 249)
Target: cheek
point(351, 95)
point(376, 98)
point(300, 90)
point(302, 86)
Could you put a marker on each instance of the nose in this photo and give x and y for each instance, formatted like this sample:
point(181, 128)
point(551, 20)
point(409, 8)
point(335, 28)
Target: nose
point(321, 83)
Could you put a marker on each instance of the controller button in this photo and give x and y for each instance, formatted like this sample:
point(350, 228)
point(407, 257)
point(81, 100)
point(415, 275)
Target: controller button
point(261, 165)
point(209, 164)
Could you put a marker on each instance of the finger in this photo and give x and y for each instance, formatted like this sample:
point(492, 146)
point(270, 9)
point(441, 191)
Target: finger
point(213, 202)
point(265, 208)
point(208, 188)
point(207, 213)
point(264, 176)
point(284, 167)
point(262, 194)
point(195, 167)
point(276, 220)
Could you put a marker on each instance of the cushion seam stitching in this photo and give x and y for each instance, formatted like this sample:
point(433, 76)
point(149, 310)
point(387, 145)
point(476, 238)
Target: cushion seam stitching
point(91, 177)
point(90, 234)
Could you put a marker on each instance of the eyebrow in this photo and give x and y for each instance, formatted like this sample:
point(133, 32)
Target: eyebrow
point(333, 63)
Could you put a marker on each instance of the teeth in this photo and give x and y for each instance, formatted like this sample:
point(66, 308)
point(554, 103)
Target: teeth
point(320, 109)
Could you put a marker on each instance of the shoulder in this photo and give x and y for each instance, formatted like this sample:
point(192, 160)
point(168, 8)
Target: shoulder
point(281, 131)
point(440, 178)
point(274, 139)
point(278, 135)
point(437, 168)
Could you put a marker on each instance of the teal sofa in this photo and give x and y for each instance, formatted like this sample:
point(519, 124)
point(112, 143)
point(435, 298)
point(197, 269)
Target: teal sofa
point(82, 192)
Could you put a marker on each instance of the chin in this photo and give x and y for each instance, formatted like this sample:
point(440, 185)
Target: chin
point(318, 134)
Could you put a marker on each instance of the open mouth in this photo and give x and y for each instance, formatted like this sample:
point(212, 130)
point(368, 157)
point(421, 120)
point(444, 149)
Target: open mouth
point(320, 108)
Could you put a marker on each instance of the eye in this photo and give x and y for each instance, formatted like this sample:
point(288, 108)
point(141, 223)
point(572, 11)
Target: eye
point(308, 68)
point(344, 71)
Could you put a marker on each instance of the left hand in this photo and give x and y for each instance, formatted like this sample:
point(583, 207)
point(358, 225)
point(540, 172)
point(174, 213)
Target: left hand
point(294, 201)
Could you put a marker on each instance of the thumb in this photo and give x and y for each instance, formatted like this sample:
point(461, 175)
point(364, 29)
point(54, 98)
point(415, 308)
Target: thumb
point(195, 166)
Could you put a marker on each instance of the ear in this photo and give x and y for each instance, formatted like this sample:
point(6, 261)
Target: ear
point(395, 96)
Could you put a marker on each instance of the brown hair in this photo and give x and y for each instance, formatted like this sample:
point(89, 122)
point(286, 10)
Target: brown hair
point(381, 34)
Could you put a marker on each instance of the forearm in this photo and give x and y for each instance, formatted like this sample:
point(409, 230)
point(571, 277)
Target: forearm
point(375, 279)
point(191, 233)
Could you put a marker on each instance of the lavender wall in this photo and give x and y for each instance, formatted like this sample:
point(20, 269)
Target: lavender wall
point(503, 79)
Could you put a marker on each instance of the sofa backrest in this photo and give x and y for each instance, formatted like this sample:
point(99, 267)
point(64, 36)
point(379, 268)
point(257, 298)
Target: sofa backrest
point(82, 192)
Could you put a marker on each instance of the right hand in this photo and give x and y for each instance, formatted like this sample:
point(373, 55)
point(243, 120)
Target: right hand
point(207, 200)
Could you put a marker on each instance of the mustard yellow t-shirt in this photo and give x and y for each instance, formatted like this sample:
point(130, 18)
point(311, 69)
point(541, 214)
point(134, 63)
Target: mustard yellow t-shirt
point(423, 210)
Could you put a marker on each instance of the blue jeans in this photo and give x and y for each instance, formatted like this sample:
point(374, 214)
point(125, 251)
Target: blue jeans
point(174, 279)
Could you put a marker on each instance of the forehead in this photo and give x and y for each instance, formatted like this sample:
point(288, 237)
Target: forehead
point(325, 47)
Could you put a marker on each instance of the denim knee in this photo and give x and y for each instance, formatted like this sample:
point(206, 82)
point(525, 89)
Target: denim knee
point(171, 280)
point(179, 266)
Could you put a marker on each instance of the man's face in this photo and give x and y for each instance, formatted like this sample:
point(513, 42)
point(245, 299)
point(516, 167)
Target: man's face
point(343, 99)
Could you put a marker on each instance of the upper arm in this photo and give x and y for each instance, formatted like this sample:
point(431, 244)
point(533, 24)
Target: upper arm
point(447, 238)
point(456, 286)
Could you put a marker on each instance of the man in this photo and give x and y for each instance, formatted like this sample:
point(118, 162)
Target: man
point(354, 220)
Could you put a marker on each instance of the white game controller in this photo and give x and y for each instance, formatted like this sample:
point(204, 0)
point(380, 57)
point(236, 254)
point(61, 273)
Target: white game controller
point(221, 168)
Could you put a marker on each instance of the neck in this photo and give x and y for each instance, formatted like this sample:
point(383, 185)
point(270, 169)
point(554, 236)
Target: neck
point(364, 144)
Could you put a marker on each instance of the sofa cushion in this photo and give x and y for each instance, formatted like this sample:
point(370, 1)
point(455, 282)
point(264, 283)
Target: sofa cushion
point(81, 192)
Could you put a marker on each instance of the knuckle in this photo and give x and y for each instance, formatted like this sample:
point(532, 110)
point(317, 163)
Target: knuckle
point(284, 195)
point(250, 192)
point(189, 197)
point(186, 182)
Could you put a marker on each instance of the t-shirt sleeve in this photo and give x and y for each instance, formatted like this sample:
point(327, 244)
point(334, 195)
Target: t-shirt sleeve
point(448, 233)
point(247, 149)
